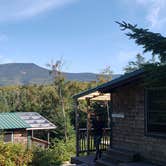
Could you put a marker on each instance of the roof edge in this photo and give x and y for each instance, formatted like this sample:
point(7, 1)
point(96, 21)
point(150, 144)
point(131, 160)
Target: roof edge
point(110, 83)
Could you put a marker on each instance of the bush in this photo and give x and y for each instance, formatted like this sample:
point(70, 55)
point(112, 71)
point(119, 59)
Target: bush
point(18, 155)
point(60, 152)
point(14, 155)
point(44, 157)
point(64, 150)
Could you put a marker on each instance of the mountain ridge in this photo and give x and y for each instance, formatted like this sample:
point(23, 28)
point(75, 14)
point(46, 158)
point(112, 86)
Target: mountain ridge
point(30, 73)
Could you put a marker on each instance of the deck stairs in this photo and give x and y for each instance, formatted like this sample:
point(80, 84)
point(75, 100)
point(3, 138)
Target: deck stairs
point(115, 157)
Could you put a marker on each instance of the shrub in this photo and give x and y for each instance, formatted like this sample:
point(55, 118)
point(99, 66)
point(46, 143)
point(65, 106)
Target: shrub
point(44, 157)
point(64, 150)
point(60, 152)
point(14, 155)
point(18, 155)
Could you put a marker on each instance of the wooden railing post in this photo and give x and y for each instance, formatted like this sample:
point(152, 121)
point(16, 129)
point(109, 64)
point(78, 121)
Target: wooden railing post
point(29, 141)
point(88, 125)
point(76, 126)
point(111, 123)
point(48, 138)
point(83, 143)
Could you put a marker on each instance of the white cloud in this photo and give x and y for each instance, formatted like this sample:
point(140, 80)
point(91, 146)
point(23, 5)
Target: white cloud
point(156, 13)
point(20, 9)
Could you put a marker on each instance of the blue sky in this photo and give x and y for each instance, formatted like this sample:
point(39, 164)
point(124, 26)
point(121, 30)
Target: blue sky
point(83, 32)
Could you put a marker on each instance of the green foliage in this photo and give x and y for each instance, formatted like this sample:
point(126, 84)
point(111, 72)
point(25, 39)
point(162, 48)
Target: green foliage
point(14, 155)
point(64, 90)
point(18, 155)
point(155, 75)
point(43, 99)
point(139, 63)
point(60, 85)
point(65, 149)
point(105, 75)
point(45, 157)
point(46, 100)
point(60, 152)
point(153, 42)
point(135, 65)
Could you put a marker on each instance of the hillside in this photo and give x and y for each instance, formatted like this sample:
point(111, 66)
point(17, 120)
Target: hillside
point(29, 73)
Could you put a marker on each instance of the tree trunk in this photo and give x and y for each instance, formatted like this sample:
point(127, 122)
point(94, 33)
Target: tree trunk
point(63, 112)
point(64, 116)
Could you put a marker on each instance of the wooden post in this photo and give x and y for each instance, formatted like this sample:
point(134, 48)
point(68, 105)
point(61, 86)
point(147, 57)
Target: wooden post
point(28, 139)
point(48, 138)
point(88, 125)
point(111, 123)
point(32, 134)
point(76, 126)
point(12, 136)
point(108, 113)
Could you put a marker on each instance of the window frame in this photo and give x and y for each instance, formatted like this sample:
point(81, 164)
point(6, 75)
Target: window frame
point(146, 114)
point(12, 136)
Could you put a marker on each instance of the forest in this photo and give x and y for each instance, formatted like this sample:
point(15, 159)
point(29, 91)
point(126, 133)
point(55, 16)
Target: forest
point(53, 101)
point(44, 99)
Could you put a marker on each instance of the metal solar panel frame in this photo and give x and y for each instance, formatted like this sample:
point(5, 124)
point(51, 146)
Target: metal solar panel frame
point(34, 118)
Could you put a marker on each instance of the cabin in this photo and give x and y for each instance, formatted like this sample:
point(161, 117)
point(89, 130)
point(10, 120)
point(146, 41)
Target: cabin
point(137, 120)
point(20, 127)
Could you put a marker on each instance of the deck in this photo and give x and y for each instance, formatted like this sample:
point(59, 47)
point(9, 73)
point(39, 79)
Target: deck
point(88, 161)
point(84, 160)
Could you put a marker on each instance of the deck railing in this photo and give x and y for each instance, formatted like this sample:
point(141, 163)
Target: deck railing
point(86, 144)
point(40, 143)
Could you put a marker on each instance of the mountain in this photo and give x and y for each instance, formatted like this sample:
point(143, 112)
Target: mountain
point(30, 73)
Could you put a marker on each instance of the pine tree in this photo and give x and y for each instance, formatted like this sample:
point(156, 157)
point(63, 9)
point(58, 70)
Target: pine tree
point(135, 65)
point(153, 42)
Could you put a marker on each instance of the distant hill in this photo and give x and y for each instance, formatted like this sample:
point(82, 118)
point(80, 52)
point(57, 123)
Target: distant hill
point(30, 73)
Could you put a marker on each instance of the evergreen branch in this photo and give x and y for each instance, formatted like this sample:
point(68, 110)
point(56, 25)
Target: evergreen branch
point(151, 42)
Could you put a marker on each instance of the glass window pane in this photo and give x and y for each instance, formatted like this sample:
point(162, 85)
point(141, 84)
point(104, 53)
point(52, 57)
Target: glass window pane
point(7, 137)
point(156, 110)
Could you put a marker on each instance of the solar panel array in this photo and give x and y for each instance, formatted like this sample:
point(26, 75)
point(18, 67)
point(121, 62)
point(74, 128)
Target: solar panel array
point(35, 120)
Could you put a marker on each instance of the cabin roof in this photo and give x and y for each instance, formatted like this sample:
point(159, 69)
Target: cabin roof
point(108, 86)
point(24, 120)
point(11, 121)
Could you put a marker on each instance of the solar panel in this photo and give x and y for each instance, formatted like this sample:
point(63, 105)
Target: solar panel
point(35, 120)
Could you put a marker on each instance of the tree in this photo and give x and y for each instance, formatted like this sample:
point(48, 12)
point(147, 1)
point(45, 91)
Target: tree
point(153, 42)
point(105, 75)
point(135, 65)
point(60, 86)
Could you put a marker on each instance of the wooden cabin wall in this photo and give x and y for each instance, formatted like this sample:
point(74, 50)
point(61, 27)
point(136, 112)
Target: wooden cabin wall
point(20, 136)
point(129, 132)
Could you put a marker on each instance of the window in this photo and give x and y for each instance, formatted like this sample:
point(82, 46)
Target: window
point(8, 137)
point(156, 111)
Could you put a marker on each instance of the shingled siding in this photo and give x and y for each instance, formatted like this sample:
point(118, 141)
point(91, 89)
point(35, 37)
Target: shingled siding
point(128, 132)
point(20, 136)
